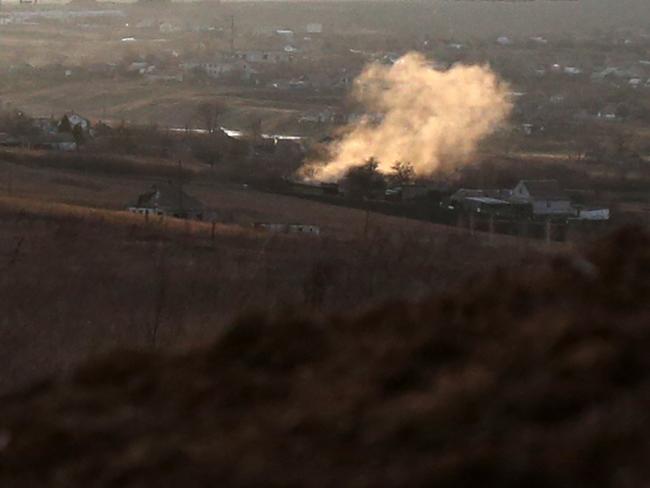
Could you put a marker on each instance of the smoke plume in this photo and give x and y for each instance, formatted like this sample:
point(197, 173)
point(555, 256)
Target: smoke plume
point(429, 118)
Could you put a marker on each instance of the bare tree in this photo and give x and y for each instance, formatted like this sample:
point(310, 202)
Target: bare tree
point(208, 114)
point(402, 173)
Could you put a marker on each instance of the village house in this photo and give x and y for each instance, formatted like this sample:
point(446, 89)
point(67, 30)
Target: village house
point(592, 213)
point(288, 228)
point(609, 112)
point(264, 57)
point(76, 120)
point(224, 68)
point(464, 193)
point(314, 28)
point(140, 67)
point(572, 70)
point(545, 198)
point(530, 198)
point(60, 141)
point(168, 200)
point(164, 77)
point(7, 140)
point(46, 125)
point(495, 202)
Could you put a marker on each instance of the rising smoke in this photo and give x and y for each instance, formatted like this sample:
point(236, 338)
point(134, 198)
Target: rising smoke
point(429, 118)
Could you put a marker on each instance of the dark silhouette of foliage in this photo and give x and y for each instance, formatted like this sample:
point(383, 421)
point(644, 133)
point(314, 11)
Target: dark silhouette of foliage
point(365, 181)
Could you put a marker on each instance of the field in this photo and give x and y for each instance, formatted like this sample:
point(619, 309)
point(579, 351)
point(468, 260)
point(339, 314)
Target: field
point(81, 275)
point(167, 105)
point(533, 376)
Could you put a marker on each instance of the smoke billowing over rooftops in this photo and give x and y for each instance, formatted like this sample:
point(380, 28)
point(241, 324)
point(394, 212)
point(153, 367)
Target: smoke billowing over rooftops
point(431, 119)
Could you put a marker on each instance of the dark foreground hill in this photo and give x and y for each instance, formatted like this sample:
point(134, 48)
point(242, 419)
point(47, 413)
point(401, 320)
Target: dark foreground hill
point(515, 380)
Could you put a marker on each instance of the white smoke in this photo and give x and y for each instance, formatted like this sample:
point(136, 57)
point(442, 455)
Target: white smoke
point(429, 118)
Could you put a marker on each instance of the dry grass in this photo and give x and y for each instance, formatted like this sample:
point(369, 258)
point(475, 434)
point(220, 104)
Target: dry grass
point(79, 275)
point(532, 376)
point(76, 281)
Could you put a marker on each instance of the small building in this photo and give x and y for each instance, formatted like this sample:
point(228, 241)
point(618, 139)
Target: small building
point(168, 200)
point(46, 125)
point(314, 28)
point(74, 120)
point(609, 112)
point(7, 140)
point(304, 229)
point(164, 77)
point(288, 228)
point(572, 70)
point(545, 197)
point(593, 213)
point(504, 41)
point(488, 206)
point(264, 57)
point(59, 141)
point(229, 69)
point(464, 193)
point(485, 202)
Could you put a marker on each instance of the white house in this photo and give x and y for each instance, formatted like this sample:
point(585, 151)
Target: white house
point(593, 214)
point(288, 228)
point(609, 112)
point(77, 120)
point(314, 28)
point(168, 200)
point(572, 70)
point(545, 197)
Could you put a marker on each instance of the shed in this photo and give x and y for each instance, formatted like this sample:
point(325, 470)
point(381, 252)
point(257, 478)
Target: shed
point(168, 200)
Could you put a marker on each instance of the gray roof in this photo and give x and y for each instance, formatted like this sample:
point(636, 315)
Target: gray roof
point(169, 197)
point(545, 189)
point(488, 200)
point(466, 193)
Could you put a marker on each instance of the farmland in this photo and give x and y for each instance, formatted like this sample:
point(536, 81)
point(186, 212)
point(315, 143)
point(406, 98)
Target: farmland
point(80, 275)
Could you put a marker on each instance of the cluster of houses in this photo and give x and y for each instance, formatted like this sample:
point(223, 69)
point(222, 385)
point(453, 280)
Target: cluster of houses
point(171, 200)
point(537, 199)
point(64, 134)
point(635, 74)
point(528, 200)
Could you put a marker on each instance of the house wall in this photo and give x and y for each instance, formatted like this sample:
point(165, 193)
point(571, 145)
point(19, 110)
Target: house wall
point(288, 228)
point(520, 191)
point(594, 214)
point(215, 70)
point(265, 57)
point(75, 119)
point(188, 214)
point(66, 146)
point(146, 211)
point(553, 207)
point(304, 229)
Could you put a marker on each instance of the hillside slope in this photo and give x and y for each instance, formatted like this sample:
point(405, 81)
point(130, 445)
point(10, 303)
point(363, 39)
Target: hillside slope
point(515, 380)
